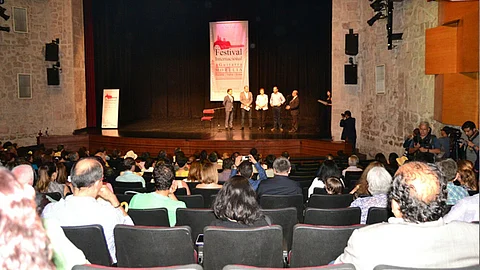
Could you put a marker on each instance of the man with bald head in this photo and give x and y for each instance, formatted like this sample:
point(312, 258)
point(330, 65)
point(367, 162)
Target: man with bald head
point(91, 203)
point(293, 107)
point(25, 175)
point(417, 236)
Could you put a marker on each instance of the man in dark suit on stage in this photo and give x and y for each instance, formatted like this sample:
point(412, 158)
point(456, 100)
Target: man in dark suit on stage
point(293, 107)
point(349, 132)
point(228, 104)
point(280, 184)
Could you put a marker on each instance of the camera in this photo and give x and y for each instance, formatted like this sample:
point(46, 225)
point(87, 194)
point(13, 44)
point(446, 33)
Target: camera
point(244, 158)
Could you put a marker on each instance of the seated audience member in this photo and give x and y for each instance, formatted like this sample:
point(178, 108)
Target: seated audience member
point(115, 161)
point(47, 173)
point(227, 170)
point(213, 158)
point(466, 175)
point(195, 172)
point(25, 175)
point(245, 169)
point(379, 183)
point(128, 174)
point(361, 189)
point(269, 163)
point(392, 166)
point(209, 177)
point(417, 236)
point(333, 186)
point(237, 207)
point(280, 184)
point(91, 203)
point(23, 241)
point(381, 158)
point(449, 168)
point(163, 196)
point(352, 165)
point(182, 167)
point(424, 146)
point(60, 183)
point(328, 169)
point(465, 210)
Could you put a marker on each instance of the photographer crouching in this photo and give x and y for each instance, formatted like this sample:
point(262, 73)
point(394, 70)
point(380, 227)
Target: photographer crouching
point(425, 146)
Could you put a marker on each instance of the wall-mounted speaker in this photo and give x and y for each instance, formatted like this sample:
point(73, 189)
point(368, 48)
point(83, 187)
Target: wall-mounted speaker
point(350, 74)
point(51, 52)
point(351, 43)
point(53, 76)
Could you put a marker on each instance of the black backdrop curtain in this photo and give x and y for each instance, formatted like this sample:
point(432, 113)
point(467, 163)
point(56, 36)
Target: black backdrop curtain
point(157, 53)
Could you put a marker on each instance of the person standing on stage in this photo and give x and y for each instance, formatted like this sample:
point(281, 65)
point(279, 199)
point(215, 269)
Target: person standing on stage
point(276, 101)
point(262, 106)
point(293, 107)
point(349, 132)
point(228, 104)
point(246, 100)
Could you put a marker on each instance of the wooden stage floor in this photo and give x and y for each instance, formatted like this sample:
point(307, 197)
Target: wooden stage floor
point(191, 136)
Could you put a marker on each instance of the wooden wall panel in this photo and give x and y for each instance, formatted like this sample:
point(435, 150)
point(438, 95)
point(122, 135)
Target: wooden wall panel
point(438, 98)
point(460, 98)
point(441, 50)
point(468, 42)
point(296, 148)
point(454, 10)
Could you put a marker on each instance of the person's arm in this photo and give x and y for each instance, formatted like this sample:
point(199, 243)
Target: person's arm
point(225, 101)
point(110, 197)
point(295, 104)
point(282, 99)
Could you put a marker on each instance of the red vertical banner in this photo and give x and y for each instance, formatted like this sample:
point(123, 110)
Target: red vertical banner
point(228, 58)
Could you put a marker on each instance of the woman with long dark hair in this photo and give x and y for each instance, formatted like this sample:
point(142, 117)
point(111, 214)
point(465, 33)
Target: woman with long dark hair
point(236, 205)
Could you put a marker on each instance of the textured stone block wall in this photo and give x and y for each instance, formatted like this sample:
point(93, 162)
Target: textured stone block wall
point(383, 120)
point(60, 108)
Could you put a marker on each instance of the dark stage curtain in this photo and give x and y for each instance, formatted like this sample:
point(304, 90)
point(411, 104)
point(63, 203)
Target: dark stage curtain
point(157, 53)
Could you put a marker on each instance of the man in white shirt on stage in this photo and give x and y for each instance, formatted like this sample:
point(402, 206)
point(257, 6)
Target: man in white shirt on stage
point(276, 101)
point(262, 106)
point(246, 100)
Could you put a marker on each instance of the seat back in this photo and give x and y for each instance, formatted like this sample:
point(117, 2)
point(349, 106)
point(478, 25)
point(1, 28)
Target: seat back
point(150, 217)
point(260, 246)
point(330, 201)
point(318, 245)
point(351, 176)
point(181, 191)
point(124, 197)
point(206, 194)
point(333, 217)
point(378, 215)
point(139, 246)
point(283, 201)
point(343, 266)
point(192, 201)
point(285, 217)
point(391, 267)
point(54, 195)
point(197, 219)
point(176, 267)
point(91, 240)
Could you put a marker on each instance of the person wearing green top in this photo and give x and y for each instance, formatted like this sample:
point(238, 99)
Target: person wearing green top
point(163, 196)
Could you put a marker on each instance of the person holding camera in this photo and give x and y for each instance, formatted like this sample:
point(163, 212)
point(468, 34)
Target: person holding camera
point(349, 133)
point(243, 166)
point(425, 146)
point(472, 143)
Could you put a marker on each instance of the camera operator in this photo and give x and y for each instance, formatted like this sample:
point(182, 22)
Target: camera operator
point(472, 143)
point(425, 145)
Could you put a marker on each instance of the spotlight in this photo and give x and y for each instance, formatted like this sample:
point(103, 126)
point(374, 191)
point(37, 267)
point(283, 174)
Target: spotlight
point(375, 18)
point(6, 29)
point(377, 5)
point(3, 15)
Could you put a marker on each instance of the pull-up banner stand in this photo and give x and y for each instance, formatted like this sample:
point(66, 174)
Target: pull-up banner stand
point(228, 58)
point(110, 108)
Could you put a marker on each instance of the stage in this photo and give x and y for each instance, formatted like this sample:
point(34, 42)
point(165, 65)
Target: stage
point(192, 135)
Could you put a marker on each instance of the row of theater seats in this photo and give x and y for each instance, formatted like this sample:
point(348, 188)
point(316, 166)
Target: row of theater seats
point(224, 248)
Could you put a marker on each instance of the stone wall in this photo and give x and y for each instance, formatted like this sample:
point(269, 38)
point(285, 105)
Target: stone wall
point(383, 120)
point(60, 108)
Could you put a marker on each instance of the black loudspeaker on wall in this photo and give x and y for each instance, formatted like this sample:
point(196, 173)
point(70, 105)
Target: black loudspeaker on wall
point(350, 74)
point(53, 76)
point(51, 52)
point(351, 43)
